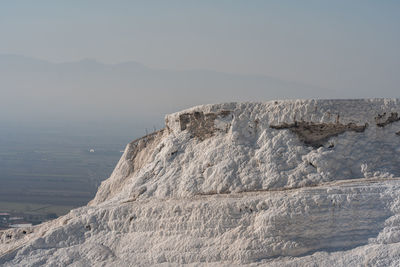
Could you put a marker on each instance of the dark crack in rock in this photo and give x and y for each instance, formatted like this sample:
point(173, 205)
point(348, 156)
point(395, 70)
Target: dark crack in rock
point(384, 119)
point(316, 134)
point(201, 125)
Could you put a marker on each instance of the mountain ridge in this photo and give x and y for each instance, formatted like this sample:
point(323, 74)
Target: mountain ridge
point(116, 91)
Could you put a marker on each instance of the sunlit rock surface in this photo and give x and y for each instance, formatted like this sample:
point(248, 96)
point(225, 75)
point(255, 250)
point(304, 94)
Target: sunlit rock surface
point(276, 183)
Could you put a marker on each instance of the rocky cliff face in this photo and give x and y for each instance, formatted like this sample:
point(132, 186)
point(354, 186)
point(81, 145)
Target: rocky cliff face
point(280, 182)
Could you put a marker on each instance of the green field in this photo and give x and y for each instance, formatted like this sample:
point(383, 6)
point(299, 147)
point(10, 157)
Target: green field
point(34, 209)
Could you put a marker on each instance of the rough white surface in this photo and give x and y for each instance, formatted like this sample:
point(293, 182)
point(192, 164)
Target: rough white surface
point(227, 188)
point(246, 154)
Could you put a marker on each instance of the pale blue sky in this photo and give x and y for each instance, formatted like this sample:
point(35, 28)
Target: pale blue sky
point(334, 45)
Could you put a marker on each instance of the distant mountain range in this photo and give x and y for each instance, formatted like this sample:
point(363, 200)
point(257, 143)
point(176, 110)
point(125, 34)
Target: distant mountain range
point(33, 89)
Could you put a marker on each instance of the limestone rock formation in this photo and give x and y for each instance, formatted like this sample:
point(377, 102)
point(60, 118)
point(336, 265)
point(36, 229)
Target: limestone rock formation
point(277, 183)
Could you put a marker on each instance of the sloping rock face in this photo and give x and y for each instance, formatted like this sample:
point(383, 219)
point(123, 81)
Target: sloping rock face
point(276, 183)
point(262, 146)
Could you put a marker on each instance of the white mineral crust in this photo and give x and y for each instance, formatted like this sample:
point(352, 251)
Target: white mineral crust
point(296, 183)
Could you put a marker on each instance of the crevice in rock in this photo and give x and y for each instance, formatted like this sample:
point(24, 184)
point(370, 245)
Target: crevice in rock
point(317, 134)
point(384, 119)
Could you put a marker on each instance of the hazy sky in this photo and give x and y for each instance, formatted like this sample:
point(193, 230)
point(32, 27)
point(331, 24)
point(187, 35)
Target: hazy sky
point(331, 44)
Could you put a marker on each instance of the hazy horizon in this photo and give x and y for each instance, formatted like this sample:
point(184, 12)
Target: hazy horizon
point(131, 62)
point(41, 92)
point(90, 91)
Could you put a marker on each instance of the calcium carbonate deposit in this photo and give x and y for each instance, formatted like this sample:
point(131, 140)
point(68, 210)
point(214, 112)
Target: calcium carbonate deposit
point(280, 183)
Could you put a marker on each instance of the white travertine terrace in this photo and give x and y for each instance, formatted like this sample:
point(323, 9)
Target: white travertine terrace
point(292, 182)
